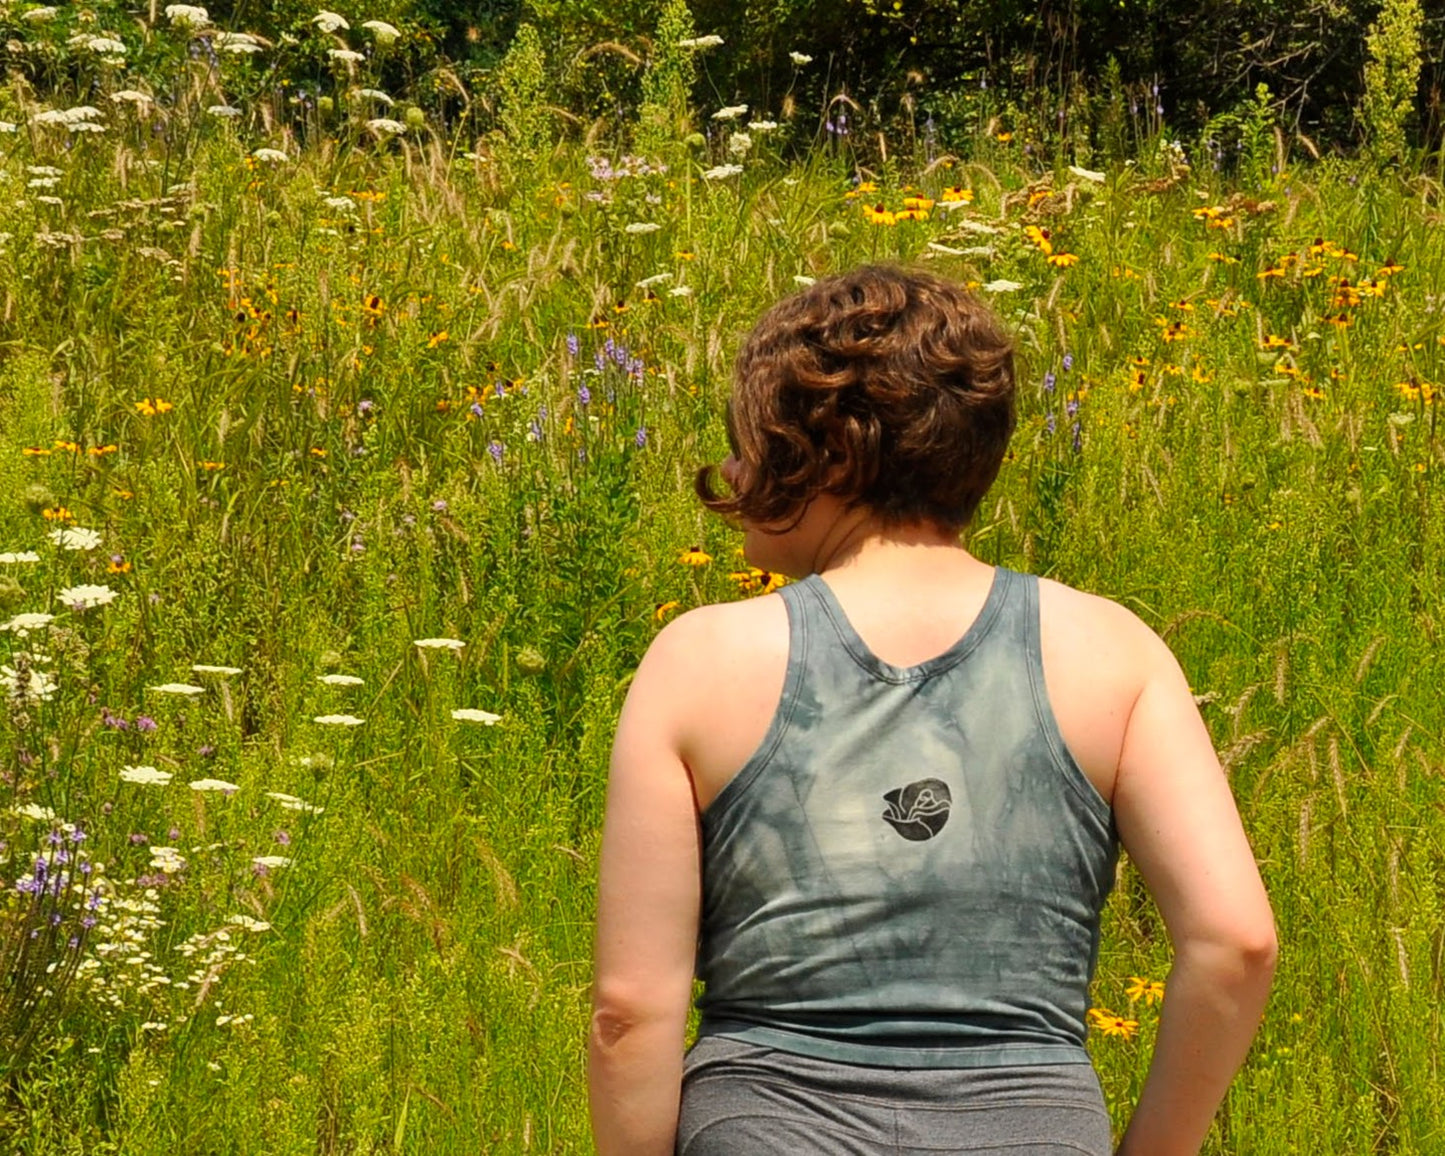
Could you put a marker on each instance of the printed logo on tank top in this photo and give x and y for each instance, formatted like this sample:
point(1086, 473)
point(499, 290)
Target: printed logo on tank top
point(919, 810)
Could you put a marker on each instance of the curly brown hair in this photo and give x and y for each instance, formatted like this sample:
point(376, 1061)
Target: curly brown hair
point(888, 387)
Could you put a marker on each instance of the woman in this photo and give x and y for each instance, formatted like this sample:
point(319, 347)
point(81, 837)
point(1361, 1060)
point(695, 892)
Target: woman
point(877, 812)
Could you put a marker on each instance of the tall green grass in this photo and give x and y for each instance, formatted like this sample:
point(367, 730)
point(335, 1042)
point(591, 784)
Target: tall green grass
point(340, 475)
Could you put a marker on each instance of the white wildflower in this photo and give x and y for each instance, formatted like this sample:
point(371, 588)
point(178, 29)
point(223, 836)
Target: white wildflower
point(345, 55)
point(375, 94)
point(803, 279)
point(292, 803)
point(39, 15)
point(383, 32)
point(34, 812)
point(42, 182)
point(246, 923)
point(645, 283)
point(166, 859)
point(338, 720)
point(74, 538)
point(148, 776)
point(273, 156)
point(722, 172)
point(800, 58)
point(87, 126)
point(23, 624)
point(731, 112)
point(105, 46)
point(226, 111)
point(86, 597)
point(711, 41)
point(384, 125)
point(440, 643)
point(66, 116)
point(154, 1026)
point(31, 687)
point(206, 668)
point(1087, 174)
point(213, 785)
point(640, 227)
point(341, 680)
point(1001, 286)
point(184, 688)
point(329, 22)
point(43, 170)
point(271, 861)
point(469, 714)
point(231, 40)
point(679, 291)
point(130, 96)
point(739, 144)
point(762, 125)
point(339, 204)
point(241, 47)
point(187, 16)
point(21, 556)
point(9, 126)
point(54, 201)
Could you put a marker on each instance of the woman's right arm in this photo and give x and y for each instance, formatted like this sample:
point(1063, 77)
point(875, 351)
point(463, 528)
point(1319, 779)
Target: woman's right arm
point(1178, 822)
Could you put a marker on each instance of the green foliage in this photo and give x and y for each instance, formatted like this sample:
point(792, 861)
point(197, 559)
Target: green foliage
point(1392, 78)
point(664, 116)
point(522, 87)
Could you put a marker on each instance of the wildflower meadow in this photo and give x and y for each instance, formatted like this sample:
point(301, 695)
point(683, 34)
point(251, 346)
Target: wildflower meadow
point(346, 458)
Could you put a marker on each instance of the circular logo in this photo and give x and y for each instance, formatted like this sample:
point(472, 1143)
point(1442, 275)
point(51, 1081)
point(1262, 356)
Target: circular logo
point(919, 810)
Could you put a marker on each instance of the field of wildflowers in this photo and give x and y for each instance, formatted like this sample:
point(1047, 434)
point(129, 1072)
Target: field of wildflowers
point(346, 471)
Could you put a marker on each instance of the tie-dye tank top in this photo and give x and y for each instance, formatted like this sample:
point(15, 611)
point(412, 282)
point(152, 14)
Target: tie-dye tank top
point(909, 870)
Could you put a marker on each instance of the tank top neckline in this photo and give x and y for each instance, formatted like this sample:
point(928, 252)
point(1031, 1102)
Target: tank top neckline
point(863, 655)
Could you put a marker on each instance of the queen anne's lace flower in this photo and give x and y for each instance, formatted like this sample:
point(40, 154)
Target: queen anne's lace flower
point(184, 688)
point(74, 538)
point(341, 680)
point(148, 776)
point(329, 22)
point(338, 720)
point(187, 16)
point(383, 32)
point(440, 643)
point(470, 714)
point(213, 785)
point(86, 597)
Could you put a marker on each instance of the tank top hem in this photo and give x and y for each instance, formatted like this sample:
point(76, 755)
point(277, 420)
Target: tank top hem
point(889, 1056)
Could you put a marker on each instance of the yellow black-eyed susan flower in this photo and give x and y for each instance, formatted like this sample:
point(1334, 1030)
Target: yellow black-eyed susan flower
point(1151, 991)
point(694, 556)
point(1112, 1024)
point(663, 609)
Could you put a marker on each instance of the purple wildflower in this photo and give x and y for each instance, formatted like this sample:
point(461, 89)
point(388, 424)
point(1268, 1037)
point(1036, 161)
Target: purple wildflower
point(1049, 382)
point(1068, 362)
point(573, 345)
point(1071, 407)
point(284, 838)
point(1078, 438)
point(496, 449)
point(476, 409)
point(584, 396)
point(365, 405)
point(599, 359)
point(145, 723)
point(439, 506)
point(640, 439)
point(1050, 423)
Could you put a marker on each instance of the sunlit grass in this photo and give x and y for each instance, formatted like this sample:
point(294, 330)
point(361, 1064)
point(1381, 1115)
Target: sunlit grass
point(405, 439)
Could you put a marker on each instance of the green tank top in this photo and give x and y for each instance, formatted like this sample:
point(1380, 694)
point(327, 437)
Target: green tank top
point(910, 868)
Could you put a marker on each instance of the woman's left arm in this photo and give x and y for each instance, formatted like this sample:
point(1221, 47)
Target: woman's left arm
point(648, 900)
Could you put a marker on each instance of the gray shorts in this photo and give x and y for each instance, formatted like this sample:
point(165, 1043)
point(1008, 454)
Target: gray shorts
point(739, 1099)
